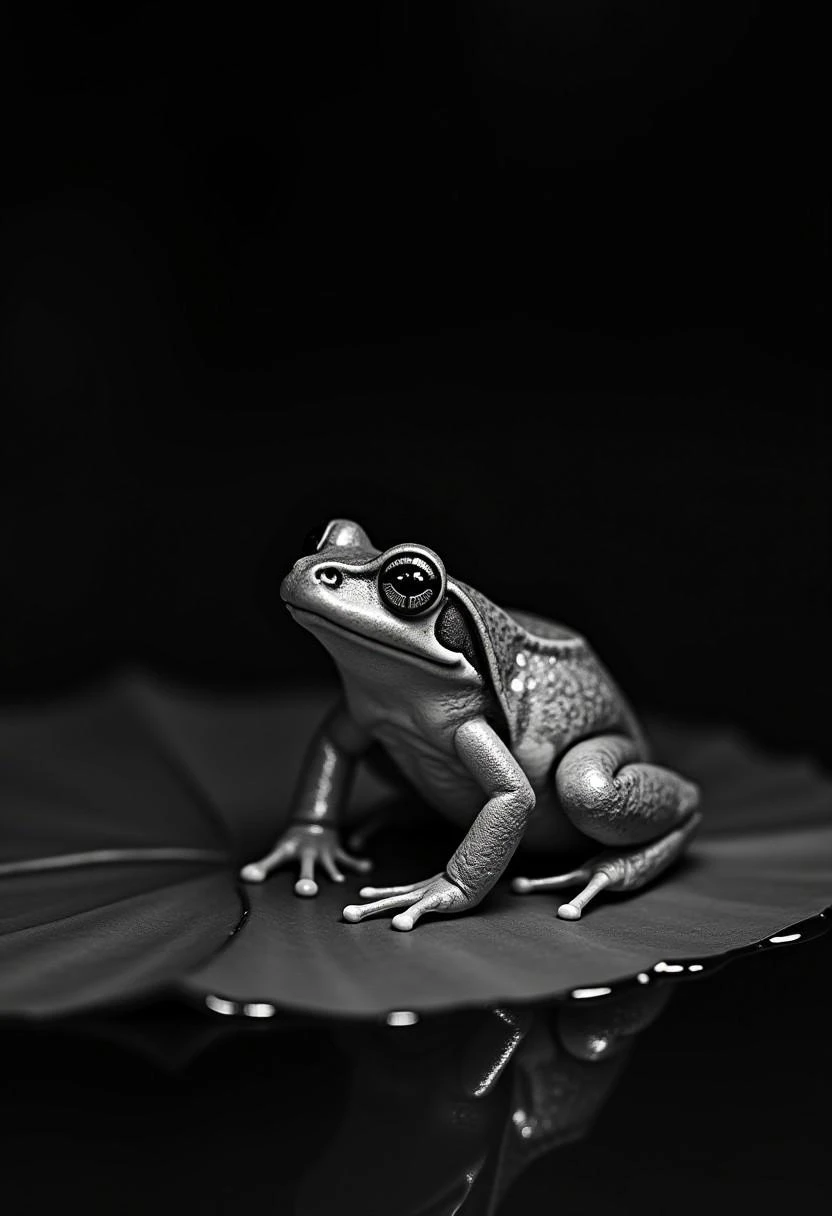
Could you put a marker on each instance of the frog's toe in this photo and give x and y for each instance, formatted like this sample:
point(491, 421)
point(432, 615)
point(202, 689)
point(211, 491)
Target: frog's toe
point(356, 912)
point(361, 865)
point(259, 871)
point(327, 860)
point(594, 880)
point(405, 889)
point(405, 921)
point(253, 873)
point(572, 911)
point(525, 886)
point(307, 887)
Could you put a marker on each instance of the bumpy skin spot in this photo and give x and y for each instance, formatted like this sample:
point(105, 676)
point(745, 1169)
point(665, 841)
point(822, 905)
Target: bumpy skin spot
point(553, 689)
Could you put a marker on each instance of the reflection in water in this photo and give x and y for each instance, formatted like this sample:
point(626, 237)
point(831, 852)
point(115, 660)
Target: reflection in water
point(233, 1106)
point(445, 1114)
point(427, 1115)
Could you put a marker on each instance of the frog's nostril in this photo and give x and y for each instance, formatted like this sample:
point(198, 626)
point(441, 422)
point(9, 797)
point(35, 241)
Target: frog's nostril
point(329, 576)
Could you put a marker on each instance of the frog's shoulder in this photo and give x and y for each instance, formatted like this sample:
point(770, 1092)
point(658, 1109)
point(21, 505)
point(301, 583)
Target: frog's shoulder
point(531, 659)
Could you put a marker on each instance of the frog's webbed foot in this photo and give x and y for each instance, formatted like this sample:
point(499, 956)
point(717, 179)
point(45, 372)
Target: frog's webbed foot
point(410, 901)
point(594, 881)
point(311, 845)
point(614, 870)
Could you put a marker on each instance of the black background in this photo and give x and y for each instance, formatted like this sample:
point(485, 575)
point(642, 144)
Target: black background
point(545, 287)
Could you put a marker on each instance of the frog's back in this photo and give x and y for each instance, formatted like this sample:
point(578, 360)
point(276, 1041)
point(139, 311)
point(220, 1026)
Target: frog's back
point(553, 689)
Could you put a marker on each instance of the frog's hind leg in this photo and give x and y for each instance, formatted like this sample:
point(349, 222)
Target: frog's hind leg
point(624, 870)
point(612, 797)
point(629, 869)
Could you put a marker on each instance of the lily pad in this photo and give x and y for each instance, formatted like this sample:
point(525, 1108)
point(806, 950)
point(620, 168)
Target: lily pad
point(125, 815)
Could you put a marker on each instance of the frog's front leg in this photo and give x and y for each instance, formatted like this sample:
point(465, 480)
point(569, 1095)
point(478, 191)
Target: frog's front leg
point(486, 849)
point(312, 836)
point(613, 797)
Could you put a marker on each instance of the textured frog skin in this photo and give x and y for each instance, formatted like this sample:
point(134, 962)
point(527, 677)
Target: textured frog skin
point(551, 688)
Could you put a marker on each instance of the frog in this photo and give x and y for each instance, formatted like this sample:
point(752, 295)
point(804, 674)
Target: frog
point(505, 722)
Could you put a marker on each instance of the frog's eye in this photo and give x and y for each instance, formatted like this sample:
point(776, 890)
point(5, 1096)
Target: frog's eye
point(410, 584)
point(313, 538)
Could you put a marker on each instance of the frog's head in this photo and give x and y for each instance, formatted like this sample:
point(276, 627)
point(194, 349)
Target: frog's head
point(371, 608)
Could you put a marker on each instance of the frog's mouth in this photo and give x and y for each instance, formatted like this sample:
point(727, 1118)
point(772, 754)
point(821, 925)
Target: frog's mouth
point(372, 643)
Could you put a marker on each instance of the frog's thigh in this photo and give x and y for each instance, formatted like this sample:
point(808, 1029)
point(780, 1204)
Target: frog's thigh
point(617, 799)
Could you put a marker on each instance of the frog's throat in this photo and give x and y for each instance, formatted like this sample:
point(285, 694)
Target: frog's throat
point(326, 623)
